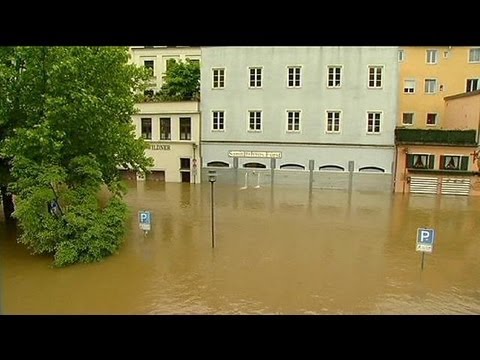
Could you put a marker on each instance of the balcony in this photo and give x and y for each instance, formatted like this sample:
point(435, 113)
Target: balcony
point(435, 137)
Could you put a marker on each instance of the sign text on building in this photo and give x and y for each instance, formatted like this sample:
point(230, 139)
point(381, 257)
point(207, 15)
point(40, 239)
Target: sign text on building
point(255, 154)
point(159, 147)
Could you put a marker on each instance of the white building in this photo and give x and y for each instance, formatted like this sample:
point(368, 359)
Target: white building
point(332, 105)
point(172, 129)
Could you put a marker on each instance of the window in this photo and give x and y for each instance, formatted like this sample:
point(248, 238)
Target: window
point(184, 164)
point(454, 162)
point(430, 86)
point(432, 56)
point(473, 85)
point(334, 76)
point(294, 73)
point(170, 63)
point(255, 80)
point(255, 121)
point(218, 78)
point(373, 122)
point(218, 164)
point(431, 119)
point(333, 121)
point(292, 167)
point(375, 76)
point(331, 168)
point(474, 55)
point(165, 129)
point(407, 118)
point(254, 165)
point(420, 161)
point(147, 128)
point(185, 128)
point(293, 121)
point(409, 86)
point(195, 61)
point(218, 120)
point(150, 65)
point(401, 55)
point(371, 169)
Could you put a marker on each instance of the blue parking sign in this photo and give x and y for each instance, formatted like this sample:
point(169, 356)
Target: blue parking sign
point(145, 220)
point(425, 239)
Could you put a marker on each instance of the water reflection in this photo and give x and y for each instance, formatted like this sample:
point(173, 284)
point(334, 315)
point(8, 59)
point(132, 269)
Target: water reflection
point(278, 251)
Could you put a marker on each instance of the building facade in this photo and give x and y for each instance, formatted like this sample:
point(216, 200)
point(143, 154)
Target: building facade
point(172, 129)
point(327, 110)
point(445, 160)
point(427, 75)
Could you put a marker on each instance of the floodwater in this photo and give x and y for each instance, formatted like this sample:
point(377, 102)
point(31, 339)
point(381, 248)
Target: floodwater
point(276, 252)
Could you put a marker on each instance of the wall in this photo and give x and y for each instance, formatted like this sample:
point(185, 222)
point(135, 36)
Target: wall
point(451, 72)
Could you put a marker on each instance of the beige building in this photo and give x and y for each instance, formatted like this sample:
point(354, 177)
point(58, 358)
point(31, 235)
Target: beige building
point(172, 129)
point(157, 58)
point(446, 160)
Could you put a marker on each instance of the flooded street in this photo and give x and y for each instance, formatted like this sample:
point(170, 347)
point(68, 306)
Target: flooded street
point(277, 252)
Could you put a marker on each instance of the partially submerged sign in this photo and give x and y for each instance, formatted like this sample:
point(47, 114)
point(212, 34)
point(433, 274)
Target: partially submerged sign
point(425, 239)
point(145, 220)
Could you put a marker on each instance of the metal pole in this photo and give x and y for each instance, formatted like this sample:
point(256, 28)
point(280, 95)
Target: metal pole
point(423, 257)
point(213, 215)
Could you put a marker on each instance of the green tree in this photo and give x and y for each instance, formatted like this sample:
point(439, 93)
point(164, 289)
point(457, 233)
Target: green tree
point(65, 129)
point(182, 81)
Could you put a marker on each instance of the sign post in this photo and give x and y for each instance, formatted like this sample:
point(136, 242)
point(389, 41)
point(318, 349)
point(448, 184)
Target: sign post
point(425, 240)
point(145, 221)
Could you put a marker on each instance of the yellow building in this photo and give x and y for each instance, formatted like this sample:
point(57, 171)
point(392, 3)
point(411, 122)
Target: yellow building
point(428, 75)
point(171, 128)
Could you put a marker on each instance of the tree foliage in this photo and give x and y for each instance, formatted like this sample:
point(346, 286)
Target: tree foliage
point(182, 81)
point(65, 128)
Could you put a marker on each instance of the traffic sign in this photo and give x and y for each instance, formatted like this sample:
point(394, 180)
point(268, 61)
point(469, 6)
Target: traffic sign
point(145, 220)
point(425, 239)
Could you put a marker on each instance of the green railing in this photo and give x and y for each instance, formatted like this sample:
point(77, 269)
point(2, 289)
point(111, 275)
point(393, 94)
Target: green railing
point(435, 137)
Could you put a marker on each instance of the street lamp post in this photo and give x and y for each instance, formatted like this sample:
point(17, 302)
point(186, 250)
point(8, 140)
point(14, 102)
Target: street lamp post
point(212, 177)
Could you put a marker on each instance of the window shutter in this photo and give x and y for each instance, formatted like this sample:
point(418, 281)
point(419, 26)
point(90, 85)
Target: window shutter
point(464, 163)
point(409, 160)
point(442, 162)
point(431, 159)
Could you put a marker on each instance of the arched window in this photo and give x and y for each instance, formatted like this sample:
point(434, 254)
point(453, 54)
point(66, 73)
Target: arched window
point(292, 167)
point(218, 164)
point(331, 168)
point(254, 165)
point(372, 169)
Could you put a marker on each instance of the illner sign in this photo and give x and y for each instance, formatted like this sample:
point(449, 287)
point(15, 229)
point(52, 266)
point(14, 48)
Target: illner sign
point(255, 154)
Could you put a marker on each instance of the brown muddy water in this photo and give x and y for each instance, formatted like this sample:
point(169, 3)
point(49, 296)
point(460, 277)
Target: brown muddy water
point(276, 252)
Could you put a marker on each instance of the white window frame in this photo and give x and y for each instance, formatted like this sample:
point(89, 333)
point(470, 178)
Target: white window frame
point(413, 118)
point(477, 87)
point(405, 86)
point(426, 162)
point(148, 58)
point(224, 78)
point(287, 112)
point(401, 55)
point(248, 121)
point(382, 72)
point(334, 75)
point(436, 119)
point(453, 155)
point(373, 132)
point(300, 67)
point(425, 86)
point(471, 52)
point(256, 77)
point(218, 123)
point(431, 60)
point(333, 121)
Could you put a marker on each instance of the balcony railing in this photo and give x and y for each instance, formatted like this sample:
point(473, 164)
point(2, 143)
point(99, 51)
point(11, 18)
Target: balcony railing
point(435, 137)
